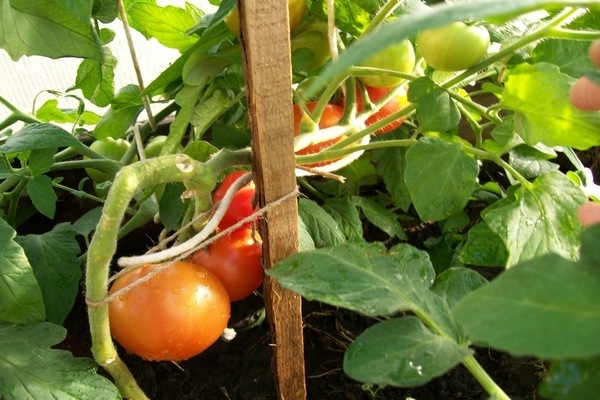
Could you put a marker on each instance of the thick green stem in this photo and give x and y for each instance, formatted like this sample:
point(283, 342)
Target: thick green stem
point(484, 379)
point(129, 181)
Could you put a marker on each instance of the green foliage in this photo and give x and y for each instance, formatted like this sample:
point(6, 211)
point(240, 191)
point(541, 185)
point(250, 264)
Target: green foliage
point(29, 368)
point(481, 173)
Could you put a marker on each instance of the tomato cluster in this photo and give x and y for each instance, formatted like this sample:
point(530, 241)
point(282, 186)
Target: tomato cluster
point(178, 311)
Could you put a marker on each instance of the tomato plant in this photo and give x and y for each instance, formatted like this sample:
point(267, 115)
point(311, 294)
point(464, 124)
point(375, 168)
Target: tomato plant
point(453, 47)
point(481, 176)
point(176, 314)
point(392, 106)
point(242, 203)
point(236, 260)
point(398, 57)
point(330, 117)
point(113, 149)
point(296, 10)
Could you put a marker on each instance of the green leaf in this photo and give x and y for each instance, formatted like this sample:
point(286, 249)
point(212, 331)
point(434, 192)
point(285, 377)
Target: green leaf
point(436, 111)
point(209, 110)
point(401, 352)
point(573, 379)
point(483, 248)
point(200, 150)
point(29, 369)
point(553, 121)
point(86, 224)
point(555, 301)
point(40, 160)
point(122, 114)
point(305, 242)
point(362, 277)
point(170, 205)
point(530, 162)
point(538, 219)
point(455, 283)
point(344, 212)
point(53, 257)
point(323, 229)
point(97, 79)
point(571, 56)
point(20, 295)
point(42, 195)
point(380, 216)
point(105, 10)
point(201, 68)
point(168, 25)
point(349, 16)
point(440, 178)
point(38, 136)
point(50, 28)
point(391, 164)
point(49, 111)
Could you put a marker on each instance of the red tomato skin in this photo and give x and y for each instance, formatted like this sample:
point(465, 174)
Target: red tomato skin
point(241, 205)
point(332, 114)
point(394, 105)
point(236, 260)
point(176, 314)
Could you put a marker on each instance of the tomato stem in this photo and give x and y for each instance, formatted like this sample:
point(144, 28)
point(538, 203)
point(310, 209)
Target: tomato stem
point(484, 379)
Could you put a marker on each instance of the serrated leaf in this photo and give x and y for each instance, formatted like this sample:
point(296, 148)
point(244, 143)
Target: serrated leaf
point(201, 68)
point(97, 79)
point(40, 160)
point(105, 10)
point(50, 28)
point(38, 136)
point(305, 241)
point(530, 162)
point(391, 164)
point(42, 195)
point(123, 113)
point(440, 178)
point(49, 111)
point(20, 295)
point(349, 16)
point(538, 219)
point(31, 370)
point(87, 223)
point(347, 216)
point(573, 379)
point(571, 56)
point(553, 300)
point(380, 216)
point(401, 352)
point(483, 248)
point(53, 258)
point(168, 25)
point(362, 277)
point(436, 111)
point(455, 283)
point(553, 121)
point(323, 229)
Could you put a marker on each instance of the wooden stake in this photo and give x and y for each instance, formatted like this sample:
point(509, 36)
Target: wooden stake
point(266, 51)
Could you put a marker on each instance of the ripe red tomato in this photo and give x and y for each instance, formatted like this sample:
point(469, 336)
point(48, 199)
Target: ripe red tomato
point(454, 47)
point(331, 116)
point(235, 260)
point(176, 314)
point(241, 204)
point(395, 104)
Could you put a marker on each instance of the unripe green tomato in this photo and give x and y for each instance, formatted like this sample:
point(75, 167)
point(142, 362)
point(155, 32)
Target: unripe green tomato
point(454, 47)
point(154, 146)
point(110, 148)
point(296, 9)
point(399, 57)
point(315, 41)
